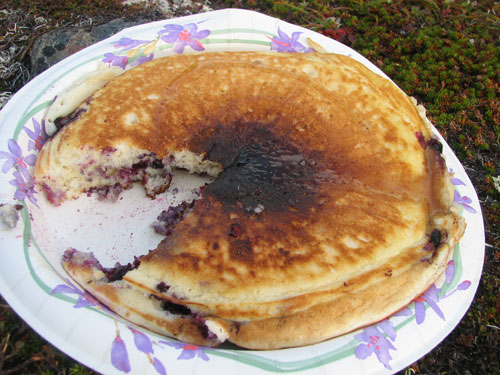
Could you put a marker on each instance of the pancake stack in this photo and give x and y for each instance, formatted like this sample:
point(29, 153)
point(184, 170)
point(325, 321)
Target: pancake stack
point(331, 208)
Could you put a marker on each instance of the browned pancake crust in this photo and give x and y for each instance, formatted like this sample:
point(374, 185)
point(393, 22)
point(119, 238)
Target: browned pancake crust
point(329, 179)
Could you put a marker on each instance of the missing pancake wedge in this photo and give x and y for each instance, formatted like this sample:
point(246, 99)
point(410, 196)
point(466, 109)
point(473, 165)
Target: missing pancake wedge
point(331, 205)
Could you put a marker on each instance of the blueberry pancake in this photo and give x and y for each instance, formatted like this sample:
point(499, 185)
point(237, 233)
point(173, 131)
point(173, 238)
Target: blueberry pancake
point(331, 207)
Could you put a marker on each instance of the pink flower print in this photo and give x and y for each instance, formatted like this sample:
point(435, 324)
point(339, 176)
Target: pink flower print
point(38, 135)
point(25, 187)
point(128, 43)
point(115, 60)
point(119, 355)
point(182, 36)
point(15, 158)
point(374, 341)
point(188, 351)
point(84, 299)
point(284, 43)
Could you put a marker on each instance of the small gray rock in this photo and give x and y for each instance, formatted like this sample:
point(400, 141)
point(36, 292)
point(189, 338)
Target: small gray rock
point(55, 45)
point(106, 30)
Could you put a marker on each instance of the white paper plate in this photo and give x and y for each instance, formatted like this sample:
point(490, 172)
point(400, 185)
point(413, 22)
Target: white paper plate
point(34, 284)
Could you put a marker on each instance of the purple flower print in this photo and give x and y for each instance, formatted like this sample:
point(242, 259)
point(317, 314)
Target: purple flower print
point(119, 355)
point(377, 338)
point(144, 344)
point(449, 273)
point(128, 43)
point(465, 201)
point(15, 158)
point(430, 297)
point(188, 351)
point(284, 43)
point(464, 285)
point(456, 181)
point(462, 200)
point(374, 341)
point(405, 311)
point(182, 36)
point(142, 59)
point(38, 135)
point(84, 299)
point(160, 369)
point(25, 187)
point(141, 341)
point(115, 60)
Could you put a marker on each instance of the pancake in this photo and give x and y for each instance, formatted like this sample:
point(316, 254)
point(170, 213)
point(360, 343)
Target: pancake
point(332, 206)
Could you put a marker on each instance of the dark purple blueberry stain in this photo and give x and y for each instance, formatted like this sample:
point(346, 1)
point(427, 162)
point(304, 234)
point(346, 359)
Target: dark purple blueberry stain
point(55, 198)
point(205, 332)
point(128, 175)
point(157, 164)
point(235, 230)
point(112, 273)
point(432, 143)
point(167, 220)
point(142, 164)
point(106, 192)
point(421, 140)
point(173, 308)
point(108, 150)
point(118, 271)
point(434, 240)
point(435, 145)
point(201, 189)
point(162, 287)
point(61, 122)
point(435, 237)
point(102, 171)
point(68, 254)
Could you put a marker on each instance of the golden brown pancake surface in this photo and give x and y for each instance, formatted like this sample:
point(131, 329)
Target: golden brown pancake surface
point(329, 177)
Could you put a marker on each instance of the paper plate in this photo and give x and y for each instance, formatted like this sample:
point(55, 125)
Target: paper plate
point(34, 284)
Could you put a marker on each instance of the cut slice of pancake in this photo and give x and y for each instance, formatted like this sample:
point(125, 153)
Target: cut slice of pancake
point(331, 197)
